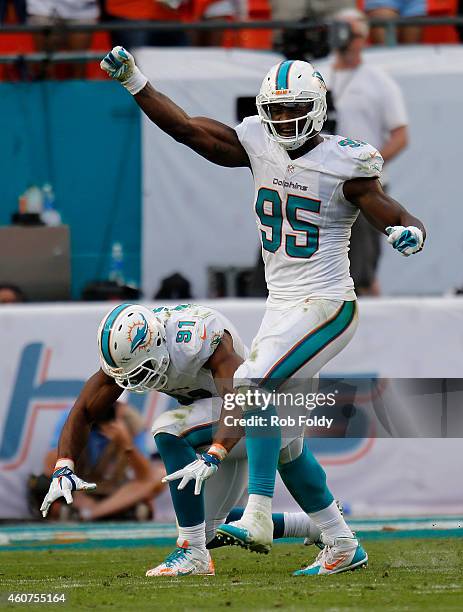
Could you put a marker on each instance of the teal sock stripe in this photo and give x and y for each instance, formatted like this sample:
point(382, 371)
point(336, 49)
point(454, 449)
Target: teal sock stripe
point(282, 80)
point(313, 343)
point(106, 333)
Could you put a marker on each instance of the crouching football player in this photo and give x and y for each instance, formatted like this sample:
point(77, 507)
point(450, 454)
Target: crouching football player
point(190, 353)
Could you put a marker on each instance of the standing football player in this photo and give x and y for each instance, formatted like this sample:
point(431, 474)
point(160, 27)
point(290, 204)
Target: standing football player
point(308, 192)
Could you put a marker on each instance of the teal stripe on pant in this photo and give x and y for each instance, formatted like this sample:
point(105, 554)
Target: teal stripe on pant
point(313, 343)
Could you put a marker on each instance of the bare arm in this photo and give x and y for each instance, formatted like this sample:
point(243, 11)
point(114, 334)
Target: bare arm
point(223, 364)
point(397, 141)
point(379, 208)
point(99, 393)
point(213, 140)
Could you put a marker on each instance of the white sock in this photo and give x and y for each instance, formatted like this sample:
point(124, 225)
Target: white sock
point(195, 536)
point(258, 503)
point(331, 522)
point(300, 525)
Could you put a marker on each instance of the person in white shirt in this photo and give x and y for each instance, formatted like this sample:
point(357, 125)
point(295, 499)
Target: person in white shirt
point(370, 107)
point(60, 15)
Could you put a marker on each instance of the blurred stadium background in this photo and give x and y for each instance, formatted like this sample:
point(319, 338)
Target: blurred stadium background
point(137, 208)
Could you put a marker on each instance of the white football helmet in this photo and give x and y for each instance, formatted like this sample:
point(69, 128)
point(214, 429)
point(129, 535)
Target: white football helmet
point(293, 82)
point(132, 348)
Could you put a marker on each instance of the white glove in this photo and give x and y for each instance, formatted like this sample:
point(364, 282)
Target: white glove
point(407, 240)
point(120, 65)
point(63, 482)
point(199, 470)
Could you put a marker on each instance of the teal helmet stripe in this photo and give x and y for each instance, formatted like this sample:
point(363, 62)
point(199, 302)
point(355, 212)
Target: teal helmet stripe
point(314, 342)
point(282, 77)
point(106, 332)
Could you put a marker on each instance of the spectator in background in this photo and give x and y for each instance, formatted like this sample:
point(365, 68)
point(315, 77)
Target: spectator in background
point(174, 287)
point(296, 10)
point(147, 10)
point(115, 458)
point(214, 10)
point(11, 294)
point(391, 9)
point(60, 15)
point(18, 7)
point(368, 106)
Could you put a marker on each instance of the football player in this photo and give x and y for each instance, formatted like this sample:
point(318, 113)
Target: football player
point(190, 353)
point(308, 192)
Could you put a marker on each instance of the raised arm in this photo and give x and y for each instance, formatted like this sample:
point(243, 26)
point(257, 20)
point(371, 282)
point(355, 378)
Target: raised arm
point(97, 396)
point(405, 232)
point(213, 140)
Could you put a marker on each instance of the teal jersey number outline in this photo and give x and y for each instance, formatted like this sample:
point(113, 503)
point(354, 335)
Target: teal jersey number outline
point(274, 221)
point(353, 144)
point(184, 335)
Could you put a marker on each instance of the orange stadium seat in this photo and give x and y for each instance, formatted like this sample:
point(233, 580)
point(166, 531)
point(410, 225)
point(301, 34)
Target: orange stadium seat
point(258, 10)
point(441, 34)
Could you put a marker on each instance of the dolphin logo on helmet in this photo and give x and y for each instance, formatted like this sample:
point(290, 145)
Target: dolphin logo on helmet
point(140, 336)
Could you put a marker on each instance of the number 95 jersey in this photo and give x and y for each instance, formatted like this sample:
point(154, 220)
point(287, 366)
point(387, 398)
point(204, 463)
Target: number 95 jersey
point(302, 215)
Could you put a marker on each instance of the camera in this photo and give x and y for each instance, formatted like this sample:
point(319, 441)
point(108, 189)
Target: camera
point(315, 41)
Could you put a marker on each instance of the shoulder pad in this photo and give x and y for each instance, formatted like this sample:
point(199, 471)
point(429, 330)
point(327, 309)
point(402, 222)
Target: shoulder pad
point(359, 158)
point(193, 336)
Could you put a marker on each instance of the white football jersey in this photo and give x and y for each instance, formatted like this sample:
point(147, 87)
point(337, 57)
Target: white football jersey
point(302, 215)
point(193, 333)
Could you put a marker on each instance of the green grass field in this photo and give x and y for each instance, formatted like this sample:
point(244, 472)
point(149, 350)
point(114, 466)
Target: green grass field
point(403, 574)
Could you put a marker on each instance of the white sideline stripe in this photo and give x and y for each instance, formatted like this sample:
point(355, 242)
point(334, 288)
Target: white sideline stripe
point(86, 534)
point(56, 534)
point(408, 525)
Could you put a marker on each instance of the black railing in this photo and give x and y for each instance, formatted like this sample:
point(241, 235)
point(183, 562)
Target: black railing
point(391, 26)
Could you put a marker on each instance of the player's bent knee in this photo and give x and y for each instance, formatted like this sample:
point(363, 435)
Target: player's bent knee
point(166, 423)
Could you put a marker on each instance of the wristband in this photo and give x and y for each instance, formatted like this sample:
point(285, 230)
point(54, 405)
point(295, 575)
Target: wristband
point(217, 450)
point(135, 83)
point(64, 462)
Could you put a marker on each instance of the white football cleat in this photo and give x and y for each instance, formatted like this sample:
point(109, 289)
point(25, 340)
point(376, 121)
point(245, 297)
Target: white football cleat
point(253, 531)
point(339, 555)
point(185, 561)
